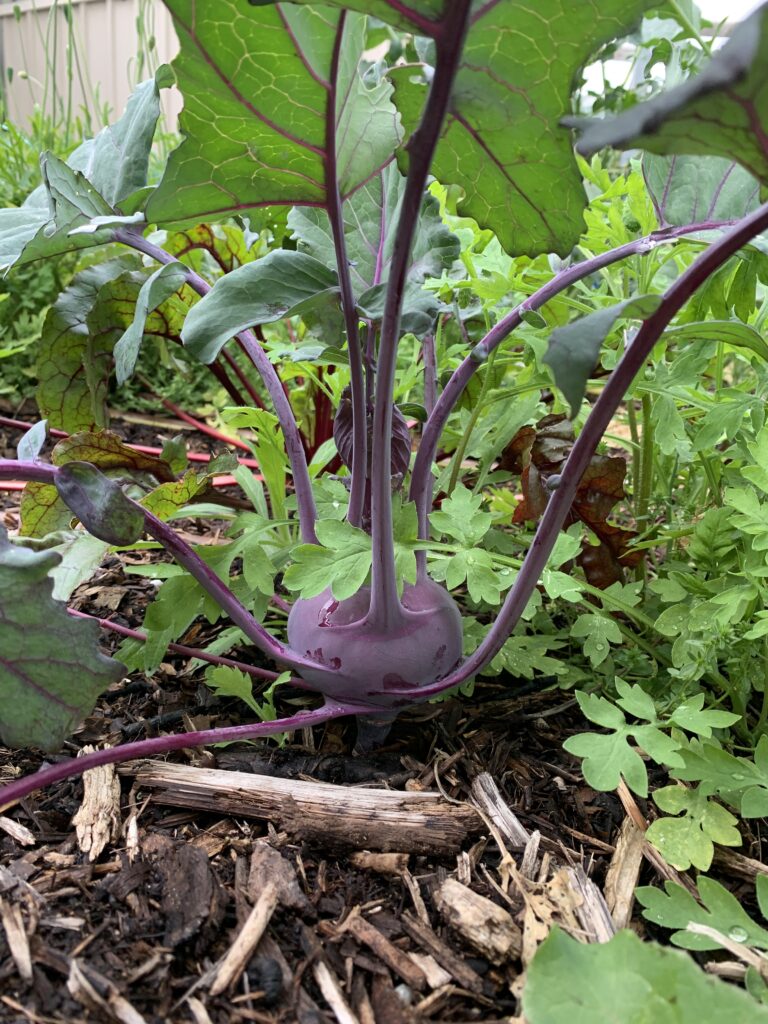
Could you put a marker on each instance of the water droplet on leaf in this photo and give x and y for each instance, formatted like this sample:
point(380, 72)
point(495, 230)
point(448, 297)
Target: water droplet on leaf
point(737, 933)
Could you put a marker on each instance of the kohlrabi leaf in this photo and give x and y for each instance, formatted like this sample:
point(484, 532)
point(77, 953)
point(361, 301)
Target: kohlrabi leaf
point(370, 220)
point(51, 670)
point(627, 980)
point(723, 111)
point(96, 178)
point(99, 503)
point(155, 290)
point(343, 435)
point(677, 908)
point(686, 189)
point(281, 86)
point(502, 142)
point(420, 308)
point(283, 283)
point(574, 349)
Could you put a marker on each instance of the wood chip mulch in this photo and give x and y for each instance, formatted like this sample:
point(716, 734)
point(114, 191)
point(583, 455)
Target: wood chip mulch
point(303, 883)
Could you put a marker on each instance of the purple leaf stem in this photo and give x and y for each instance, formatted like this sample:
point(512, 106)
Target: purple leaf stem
point(238, 371)
point(429, 358)
point(421, 478)
point(16, 791)
point(221, 375)
point(352, 324)
point(385, 609)
point(189, 560)
point(629, 365)
point(187, 652)
point(249, 344)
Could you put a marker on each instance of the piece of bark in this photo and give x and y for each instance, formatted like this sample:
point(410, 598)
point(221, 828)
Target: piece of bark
point(17, 831)
point(388, 953)
point(191, 896)
point(305, 1008)
point(436, 975)
point(486, 926)
point(488, 797)
point(623, 872)
point(97, 820)
point(268, 866)
point(383, 863)
point(422, 933)
point(333, 816)
point(737, 864)
point(387, 1007)
point(12, 921)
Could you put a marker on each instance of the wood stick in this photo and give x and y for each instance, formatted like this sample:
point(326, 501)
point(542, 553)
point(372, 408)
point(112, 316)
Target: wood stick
point(432, 943)
point(388, 953)
point(340, 816)
point(248, 938)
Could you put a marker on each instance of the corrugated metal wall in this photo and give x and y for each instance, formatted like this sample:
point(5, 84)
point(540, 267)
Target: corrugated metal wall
point(40, 51)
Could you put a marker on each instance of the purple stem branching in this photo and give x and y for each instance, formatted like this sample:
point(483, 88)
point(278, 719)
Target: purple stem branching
point(249, 344)
point(17, 790)
point(187, 558)
point(358, 469)
point(586, 444)
point(421, 478)
point(187, 652)
point(385, 610)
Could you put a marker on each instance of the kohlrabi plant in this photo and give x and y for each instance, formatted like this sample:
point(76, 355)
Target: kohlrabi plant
point(284, 108)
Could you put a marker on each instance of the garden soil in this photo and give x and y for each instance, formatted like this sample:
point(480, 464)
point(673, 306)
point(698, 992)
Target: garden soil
point(307, 883)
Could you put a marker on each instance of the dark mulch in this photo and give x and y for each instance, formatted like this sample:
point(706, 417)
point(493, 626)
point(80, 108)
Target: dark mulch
point(141, 932)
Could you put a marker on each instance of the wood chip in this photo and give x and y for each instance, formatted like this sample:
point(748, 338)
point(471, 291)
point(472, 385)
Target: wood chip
point(271, 880)
point(191, 895)
point(17, 831)
point(623, 873)
point(97, 821)
point(241, 950)
point(488, 797)
point(100, 996)
point(383, 863)
point(486, 926)
point(386, 951)
point(436, 975)
point(16, 936)
point(333, 816)
point(422, 933)
point(332, 994)
point(591, 909)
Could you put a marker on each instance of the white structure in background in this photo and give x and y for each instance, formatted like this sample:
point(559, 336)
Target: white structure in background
point(36, 60)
